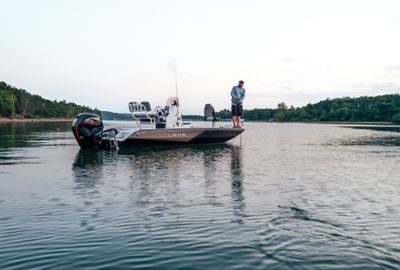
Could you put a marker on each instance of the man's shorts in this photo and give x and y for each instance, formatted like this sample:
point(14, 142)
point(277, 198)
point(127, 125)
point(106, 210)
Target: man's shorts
point(237, 109)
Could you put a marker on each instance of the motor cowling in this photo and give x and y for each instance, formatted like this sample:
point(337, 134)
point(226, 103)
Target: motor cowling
point(85, 128)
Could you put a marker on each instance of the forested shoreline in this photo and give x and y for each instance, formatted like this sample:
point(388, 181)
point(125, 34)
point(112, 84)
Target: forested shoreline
point(384, 108)
point(19, 104)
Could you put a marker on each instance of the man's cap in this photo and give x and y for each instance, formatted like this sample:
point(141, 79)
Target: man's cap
point(241, 81)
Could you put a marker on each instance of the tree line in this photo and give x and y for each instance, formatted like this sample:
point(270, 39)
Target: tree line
point(384, 108)
point(18, 103)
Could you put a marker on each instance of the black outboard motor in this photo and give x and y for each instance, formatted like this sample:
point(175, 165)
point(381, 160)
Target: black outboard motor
point(85, 128)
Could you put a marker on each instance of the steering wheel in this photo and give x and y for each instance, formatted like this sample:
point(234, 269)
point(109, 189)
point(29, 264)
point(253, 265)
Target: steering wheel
point(159, 111)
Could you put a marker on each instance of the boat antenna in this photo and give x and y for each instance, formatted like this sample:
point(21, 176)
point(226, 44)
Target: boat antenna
point(174, 67)
point(176, 81)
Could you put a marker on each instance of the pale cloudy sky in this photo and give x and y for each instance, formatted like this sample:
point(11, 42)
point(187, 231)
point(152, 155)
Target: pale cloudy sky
point(106, 53)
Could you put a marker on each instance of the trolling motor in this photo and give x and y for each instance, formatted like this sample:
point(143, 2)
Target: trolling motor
point(89, 131)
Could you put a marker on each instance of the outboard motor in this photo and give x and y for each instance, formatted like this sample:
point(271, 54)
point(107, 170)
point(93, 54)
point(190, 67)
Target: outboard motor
point(85, 128)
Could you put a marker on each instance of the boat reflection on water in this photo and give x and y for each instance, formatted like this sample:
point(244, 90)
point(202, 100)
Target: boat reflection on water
point(238, 198)
point(197, 172)
point(88, 169)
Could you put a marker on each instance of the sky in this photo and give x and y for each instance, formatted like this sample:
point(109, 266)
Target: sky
point(106, 53)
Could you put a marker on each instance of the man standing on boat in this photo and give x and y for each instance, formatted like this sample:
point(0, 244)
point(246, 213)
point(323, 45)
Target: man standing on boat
point(238, 93)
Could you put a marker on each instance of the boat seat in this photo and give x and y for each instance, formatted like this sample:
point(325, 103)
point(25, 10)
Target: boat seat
point(147, 105)
point(141, 110)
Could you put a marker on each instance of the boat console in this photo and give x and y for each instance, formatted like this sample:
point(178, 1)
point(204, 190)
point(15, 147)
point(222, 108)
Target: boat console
point(168, 117)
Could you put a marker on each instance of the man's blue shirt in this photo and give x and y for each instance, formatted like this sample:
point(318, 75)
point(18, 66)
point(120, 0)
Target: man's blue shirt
point(238, 94)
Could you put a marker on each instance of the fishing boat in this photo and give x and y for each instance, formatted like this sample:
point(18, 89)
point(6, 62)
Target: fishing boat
point(162, 126)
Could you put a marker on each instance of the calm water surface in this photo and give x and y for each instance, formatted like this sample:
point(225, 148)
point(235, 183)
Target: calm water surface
point(290, 196)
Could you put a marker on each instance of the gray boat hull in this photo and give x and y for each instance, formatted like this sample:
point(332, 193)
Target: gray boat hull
point(180, 136)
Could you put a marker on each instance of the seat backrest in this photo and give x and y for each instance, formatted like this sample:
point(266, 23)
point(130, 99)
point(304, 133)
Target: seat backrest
point(147, 105)
point(137, 107)
point(141, 111)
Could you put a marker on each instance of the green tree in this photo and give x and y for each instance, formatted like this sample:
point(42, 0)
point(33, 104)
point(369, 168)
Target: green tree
point(7, 104)
point(20, 102)
point(396, 118)
point(281, 112)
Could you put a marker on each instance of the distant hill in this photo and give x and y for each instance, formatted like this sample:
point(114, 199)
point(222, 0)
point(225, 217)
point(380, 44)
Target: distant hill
point(18, 103)
point(192, 117)
point(384, 108)
point(106, 115)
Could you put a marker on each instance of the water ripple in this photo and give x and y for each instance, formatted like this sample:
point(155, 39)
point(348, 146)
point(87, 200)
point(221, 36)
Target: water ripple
point(291, 196)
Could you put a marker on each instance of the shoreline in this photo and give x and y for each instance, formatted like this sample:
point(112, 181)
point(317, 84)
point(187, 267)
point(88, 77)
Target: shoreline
point(24, 120)
point(314, 122)
point(331, 122)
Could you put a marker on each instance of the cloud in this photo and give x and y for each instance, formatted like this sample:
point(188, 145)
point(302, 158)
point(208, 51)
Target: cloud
point(288, 60)
point(392, 68)
point(393, 21)
point(294, 80)
point(384, 87)
point(286, 87)
point(290, 81)
point(360, 85)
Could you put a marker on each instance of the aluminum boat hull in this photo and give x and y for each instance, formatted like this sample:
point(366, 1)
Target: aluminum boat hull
point(180, 136)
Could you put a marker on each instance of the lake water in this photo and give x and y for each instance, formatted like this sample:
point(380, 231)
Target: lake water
point(288, 196)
